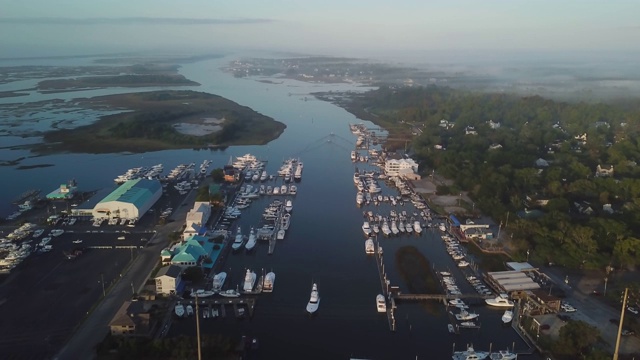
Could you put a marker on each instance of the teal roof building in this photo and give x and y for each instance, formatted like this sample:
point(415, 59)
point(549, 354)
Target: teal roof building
point(195, 251)
point(130, 200)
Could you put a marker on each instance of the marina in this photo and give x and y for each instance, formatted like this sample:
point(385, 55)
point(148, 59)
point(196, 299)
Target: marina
point(325, 190)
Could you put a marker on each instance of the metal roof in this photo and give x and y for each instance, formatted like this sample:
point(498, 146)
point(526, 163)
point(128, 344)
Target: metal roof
point(136, 192)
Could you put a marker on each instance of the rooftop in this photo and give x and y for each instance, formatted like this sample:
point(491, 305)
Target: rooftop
point(135, 192)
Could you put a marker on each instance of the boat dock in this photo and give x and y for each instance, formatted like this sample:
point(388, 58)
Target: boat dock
point(443, 297)
point(384, 283)
point(249, 302)
point(276, 226)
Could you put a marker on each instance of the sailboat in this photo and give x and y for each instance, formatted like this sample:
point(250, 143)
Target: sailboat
point(314, 299)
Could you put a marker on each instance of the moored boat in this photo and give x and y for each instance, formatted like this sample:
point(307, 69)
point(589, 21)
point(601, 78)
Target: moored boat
point(381, 303)
point(288, 206)
point(507, 316)
point(179, 310)
point(503, 355)
point(366, 229)
point(201, 293)
point(269, 281)
point(251, 243)
point(501, 300)
point(369, 248)
point(464, 315)
point(470, 354)
point(249, 281)
point(239, 240)
point(218, 280)
point(230, 293)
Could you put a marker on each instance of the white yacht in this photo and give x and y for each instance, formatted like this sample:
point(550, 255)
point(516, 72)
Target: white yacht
point(286, 221)
point(470, 354)
point(189, 310)
point(249, 281)
point(288, 206)
point(442, 227)
point(456, 302)
point(218, 280)
point(394, 227)
point(179, 310)
point(400, 225)
point(359, 198)
point(201, 293)
point(269, 281)
point(38, 232)
point(381, 303)
point(251, 243)
point(464, 315)
point(237, 243)
point(464, 263)
point(366, 228)
point(385, 229)
point(376, 228)
point(314, 299)
point(408, 228)
point(284, 190)
point(263, 176)
point(501, 300)
point(293, 190)
point(416, 227)
point(369, 248)
point(354, 156)
point(280, 234)
point(507, 316)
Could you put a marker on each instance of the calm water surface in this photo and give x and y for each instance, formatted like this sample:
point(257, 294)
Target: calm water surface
point(324, 244)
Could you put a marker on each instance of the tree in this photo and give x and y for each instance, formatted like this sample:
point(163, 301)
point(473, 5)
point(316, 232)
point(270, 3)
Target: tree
point(217, 175)
point(576, 338)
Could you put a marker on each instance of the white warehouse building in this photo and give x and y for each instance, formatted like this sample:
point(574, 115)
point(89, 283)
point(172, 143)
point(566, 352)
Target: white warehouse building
point(129, 201)
point(402, 167)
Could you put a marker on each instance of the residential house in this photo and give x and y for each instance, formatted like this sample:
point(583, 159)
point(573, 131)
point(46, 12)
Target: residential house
point(470, 130)
point(604, 170)
point(131, 320)
point(402, 167)
point(446, 124)
point(493, 125)
point(495, 146)
point(169, 280)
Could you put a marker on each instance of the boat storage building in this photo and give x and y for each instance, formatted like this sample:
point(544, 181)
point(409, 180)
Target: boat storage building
point(129, 201)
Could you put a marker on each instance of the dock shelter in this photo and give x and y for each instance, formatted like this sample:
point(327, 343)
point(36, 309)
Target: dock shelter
point(509, 281)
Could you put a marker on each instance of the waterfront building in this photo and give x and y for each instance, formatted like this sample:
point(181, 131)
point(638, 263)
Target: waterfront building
point(196, 219)
point(169, 280)
point(131, 320)
point(195, 251)
point(130, 200)
point(65, 191)
point(401, 167)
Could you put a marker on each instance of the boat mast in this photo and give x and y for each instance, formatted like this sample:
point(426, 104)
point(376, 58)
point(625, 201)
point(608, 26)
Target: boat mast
point(198, 329)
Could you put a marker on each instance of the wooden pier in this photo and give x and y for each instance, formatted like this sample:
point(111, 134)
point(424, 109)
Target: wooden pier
point(276, 227)
point(424, 297)
point(250, 302)
point(384, 283)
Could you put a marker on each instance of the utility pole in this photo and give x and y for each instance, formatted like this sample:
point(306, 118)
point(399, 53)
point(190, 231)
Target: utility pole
point(606, 278)
point(103, 291)
point(198, 330)
point(624, 305)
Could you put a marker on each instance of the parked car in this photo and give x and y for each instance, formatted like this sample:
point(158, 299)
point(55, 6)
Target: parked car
point(632, 310)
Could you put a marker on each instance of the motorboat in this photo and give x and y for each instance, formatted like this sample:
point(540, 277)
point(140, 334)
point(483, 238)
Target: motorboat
point(263, 176)
point(269, 281)
point(394, 227)
point(464, 315)
point(189, 310)
point(385, 229)
point(456, 302)
point(78, 241)
point(381, 303)
point(366, 228)
point(451, 328)
point(359, 198)
point(369, 248)
point(470, 354)
point(416, 227)
point(251, 243)
point(201, 293)
point(249, 281)
point(354, 156)
point(468, 324)
point(442, 227)
point(293, 190)
point(400, 225)
point(314, 299)
point(218, 280)
point(57, 232)
point(230, 293)
point(280, 234)
point(179, 310)
point(501, 300)
point(288, 206)
point(503, 355)
point(285, 221)
point(376, 228)
point(239, 240)
point(408, 228)
point(464, 263)
point(507, 316)
point(284, 189)
point(38, 232)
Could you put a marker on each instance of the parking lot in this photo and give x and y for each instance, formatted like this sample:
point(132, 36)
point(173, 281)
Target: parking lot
point(47, 295)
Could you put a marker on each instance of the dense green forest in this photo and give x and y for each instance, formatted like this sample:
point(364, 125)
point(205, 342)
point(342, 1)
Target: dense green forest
point(545, 158)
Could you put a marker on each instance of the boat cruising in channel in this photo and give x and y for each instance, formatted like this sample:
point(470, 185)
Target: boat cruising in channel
point(251, 243)
point(249, 281)
point(269, 281)
point(239, 240)
point(507, 316)
point(218, 281)
point(470, 354)
point(501, 300)
point(369, 248)
point(381, 303)
point(179, 310)
point(314, 299)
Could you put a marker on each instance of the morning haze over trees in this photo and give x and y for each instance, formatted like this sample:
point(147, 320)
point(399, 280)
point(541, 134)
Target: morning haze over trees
point(573, 162)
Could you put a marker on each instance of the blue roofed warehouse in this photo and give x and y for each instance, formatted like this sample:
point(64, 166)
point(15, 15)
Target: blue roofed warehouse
point(129, 201)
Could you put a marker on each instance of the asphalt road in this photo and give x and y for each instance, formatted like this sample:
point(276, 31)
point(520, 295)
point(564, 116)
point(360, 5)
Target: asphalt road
point(95, 327)
point(592, 311)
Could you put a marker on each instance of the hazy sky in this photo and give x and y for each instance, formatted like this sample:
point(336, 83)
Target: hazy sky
point(327, 26)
